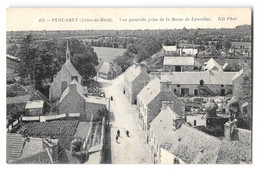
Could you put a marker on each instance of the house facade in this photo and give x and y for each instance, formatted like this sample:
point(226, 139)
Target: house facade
point(108, 70)
point(178, 64)
point(72, 101)
point(199, 83)
point(170, 50)
point(189, 52)
point(63, 78)
point(36, 105)
point(136, 78)
point(149, 101)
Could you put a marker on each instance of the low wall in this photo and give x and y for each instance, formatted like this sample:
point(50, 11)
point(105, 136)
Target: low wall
point(103, 131)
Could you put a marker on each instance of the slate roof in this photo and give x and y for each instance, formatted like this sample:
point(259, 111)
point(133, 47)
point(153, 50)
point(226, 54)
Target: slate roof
point(238, 74)
point(209, 77)
point(14, 146)
point(162, 123)
point(133, 72)
point(106, 68)
point(38, 96)
point(196, 147)
point(179, 61)
point(69, 66)
point(42, 157)
point(35, 104)
point(18, 99)
point(79, 90)
point(191, 145)
point(212, 65)
point(170, 48)
point(32, 146)
point(150, 91)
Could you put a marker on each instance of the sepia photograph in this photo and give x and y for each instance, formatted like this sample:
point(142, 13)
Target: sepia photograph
point(129, 85)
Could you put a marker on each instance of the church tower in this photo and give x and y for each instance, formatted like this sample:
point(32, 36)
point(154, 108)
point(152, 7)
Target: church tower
point(68, 52)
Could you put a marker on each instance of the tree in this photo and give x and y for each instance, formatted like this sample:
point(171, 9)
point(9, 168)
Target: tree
point(12, 50)
point(85, 66)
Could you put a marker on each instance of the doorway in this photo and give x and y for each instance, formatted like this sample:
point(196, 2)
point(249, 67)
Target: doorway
point(222, 93)
point(178, 68)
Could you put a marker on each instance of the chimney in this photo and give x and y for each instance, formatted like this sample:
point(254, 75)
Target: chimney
point(72, 87)
point(229, 129)
point(53, 146)
point(165, 86)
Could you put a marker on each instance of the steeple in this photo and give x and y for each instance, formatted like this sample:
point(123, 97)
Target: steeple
point(68, 52)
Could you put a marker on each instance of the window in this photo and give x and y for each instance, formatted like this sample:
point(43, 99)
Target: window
point(222, 85)
point(178, 85)
point(174, 90)
point(74, 77)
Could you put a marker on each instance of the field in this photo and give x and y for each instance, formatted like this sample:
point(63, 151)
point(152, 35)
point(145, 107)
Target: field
point(108, 54)
point(56, 128)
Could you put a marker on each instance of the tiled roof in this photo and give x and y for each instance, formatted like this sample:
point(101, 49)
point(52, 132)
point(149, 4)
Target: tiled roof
point(14, 146)
point(170, 48)
point(150, 91)
point(212, 65)
point(209, 77)
point(32, 146)
point(180, 61)
point(69, 66)
point(35, 104)
point(79, 90)
point(42, 157)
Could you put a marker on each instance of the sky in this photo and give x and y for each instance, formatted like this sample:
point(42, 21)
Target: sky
point(26, 19)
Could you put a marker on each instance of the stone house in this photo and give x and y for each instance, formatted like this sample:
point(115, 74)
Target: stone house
point(199, 83)
point(178, 64)
point(36, 105)
point(149, 101)
point(188, 145)
point(63, 78)
point(189, 51)
point(170, 50)
point(136, 78)
point(108, 70)
point(72, 101)
point(171, 116)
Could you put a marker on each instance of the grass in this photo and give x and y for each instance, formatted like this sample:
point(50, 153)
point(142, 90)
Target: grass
point(108, 54)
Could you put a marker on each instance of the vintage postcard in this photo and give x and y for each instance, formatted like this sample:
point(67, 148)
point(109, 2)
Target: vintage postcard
point(129, 85)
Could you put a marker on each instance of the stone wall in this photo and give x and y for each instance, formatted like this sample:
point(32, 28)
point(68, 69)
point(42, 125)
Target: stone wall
point(93, 108)
point(73, 103)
